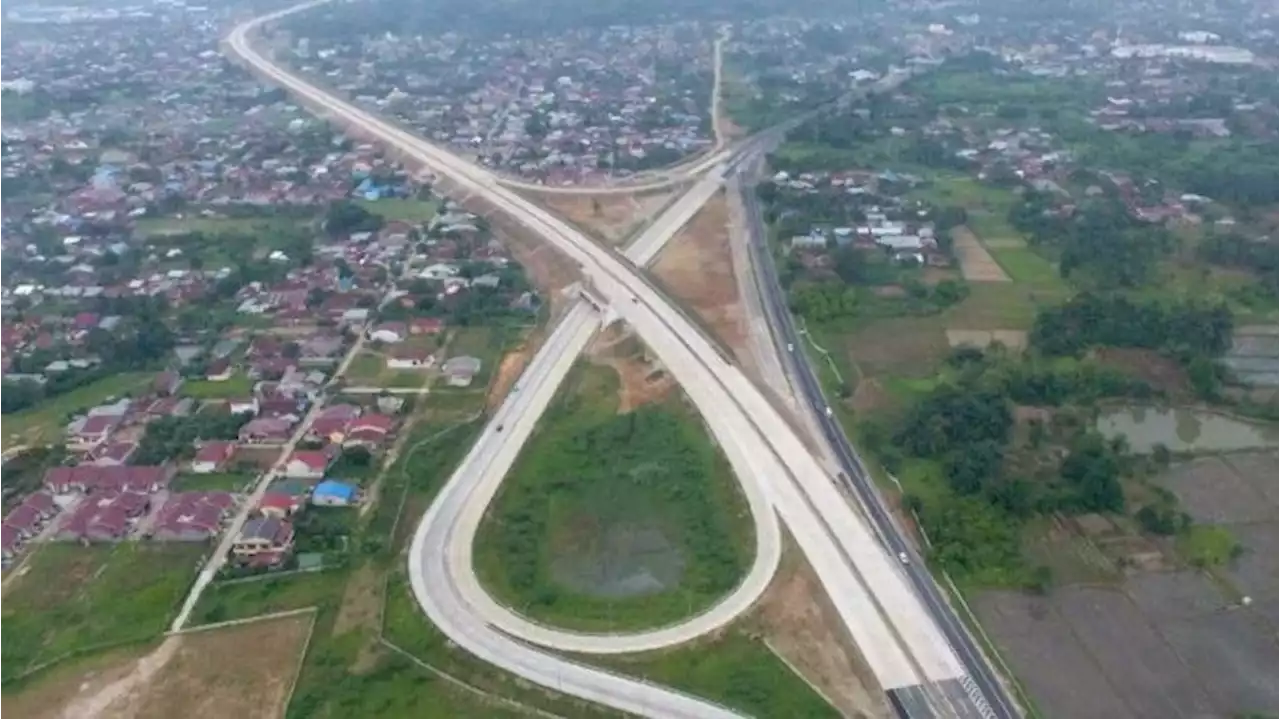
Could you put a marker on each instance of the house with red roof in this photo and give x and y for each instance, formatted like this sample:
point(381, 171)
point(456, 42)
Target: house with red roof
point(192, 516)
point(426, 326)
point(93, 479)
point(93, 431)
point(110, 524)
point(266, 430)
point(308, 464)
point(212, 456)
point(219, 370)
point(279, 504)
point(371, 430)
point(43, 503)
point(113, 454)
point(10, 542)
point(25, 520)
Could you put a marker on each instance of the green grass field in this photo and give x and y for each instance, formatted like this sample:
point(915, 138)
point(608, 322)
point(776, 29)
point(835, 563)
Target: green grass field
point(736, 670)
point(44, 422)
point(600, 501)
point(963, 191)
point(224, 601)
point(484, 342)
point(402, 210)
point(1025, 266)
point(147, 226)
point(238, 386)
point(73, 598)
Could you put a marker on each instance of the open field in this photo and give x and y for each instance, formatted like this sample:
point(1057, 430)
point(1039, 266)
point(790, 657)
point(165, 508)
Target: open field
point(369, 369)
point(697, 268)
point(160, 226)
point(734, 668)
point(612, 521)
point(44, 422)
point(224, 601)
point(611, 218)
point(401, 210)
point(976, 263)
point(1027, 266)
point(1162, 643)
point(484, 342)
point(48, 693)
point(238, 386)
point(72, 598)
point(211, 675)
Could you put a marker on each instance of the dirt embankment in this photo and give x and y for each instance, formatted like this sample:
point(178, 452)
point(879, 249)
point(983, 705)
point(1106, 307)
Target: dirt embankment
point(641, 379)
point(612, 218)
point(800, 625)
point(697, 268)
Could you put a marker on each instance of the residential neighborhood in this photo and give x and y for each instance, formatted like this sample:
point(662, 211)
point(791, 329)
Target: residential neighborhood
point(578, 108)
point(191, 285)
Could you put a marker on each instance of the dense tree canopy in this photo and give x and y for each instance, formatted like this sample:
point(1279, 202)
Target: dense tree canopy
point(1089, 320)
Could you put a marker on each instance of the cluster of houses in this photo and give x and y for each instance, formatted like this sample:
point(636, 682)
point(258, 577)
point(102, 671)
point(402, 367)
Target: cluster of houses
point(571, 108)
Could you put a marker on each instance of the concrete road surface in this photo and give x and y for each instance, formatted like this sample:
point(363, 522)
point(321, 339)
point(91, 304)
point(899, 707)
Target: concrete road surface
point(886, 619)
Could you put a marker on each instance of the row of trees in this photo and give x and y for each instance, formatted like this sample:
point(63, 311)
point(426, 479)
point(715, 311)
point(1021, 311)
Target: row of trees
point(1184, 328)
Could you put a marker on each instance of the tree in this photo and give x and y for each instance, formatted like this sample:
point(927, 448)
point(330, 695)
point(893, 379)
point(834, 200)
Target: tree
point(345, 217)
point(975, 467)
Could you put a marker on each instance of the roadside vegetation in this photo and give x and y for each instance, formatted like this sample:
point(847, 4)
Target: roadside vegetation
point(615, 521)
point(371, 641)
point(979, 392)
point(735, 669)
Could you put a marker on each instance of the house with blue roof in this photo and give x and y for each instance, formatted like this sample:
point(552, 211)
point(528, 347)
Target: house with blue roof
point(334, 493)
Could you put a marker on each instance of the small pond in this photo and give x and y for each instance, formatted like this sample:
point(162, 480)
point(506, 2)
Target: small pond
point(1184, 430)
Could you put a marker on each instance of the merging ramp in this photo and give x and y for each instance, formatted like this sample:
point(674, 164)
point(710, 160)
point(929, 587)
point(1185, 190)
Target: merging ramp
point(900, 640)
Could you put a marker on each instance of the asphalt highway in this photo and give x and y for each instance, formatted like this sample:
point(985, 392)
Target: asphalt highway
point(980, 690)
point(884, 617)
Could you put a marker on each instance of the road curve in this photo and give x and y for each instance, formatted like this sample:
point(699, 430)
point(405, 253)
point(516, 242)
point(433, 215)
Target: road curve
point(887, 621)
point(481, 474)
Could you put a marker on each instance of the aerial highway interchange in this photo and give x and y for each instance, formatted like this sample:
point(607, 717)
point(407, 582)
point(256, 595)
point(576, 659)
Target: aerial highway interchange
point(919, 653)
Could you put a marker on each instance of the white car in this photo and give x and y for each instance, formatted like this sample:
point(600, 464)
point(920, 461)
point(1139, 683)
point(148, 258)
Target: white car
point(902, 557)
point(828, 411)
point(791, 347)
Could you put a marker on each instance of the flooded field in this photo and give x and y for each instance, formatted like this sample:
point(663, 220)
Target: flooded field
point(1184, 430)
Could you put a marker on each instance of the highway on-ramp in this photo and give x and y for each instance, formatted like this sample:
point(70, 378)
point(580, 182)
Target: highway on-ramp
point(903, 646)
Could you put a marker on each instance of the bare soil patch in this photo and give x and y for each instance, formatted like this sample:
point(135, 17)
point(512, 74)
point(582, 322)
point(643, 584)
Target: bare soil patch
point(611, 217)
point(976, 263)
point(799, 624)
point(641, 380)
point(697, 267)
point(509, 369)
point(1013, 339)
point(242, 671)
point(57, 689)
